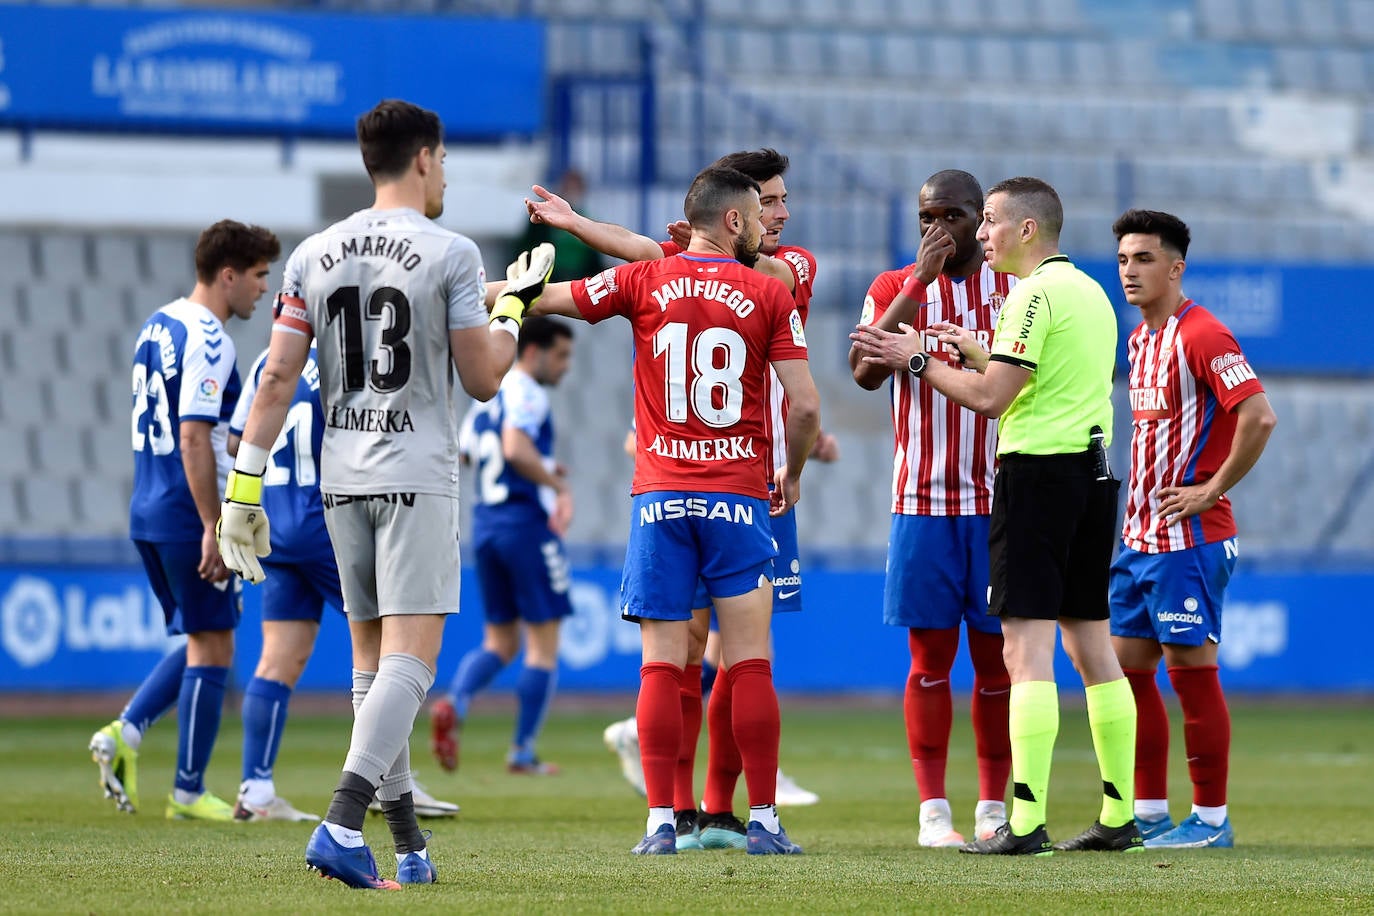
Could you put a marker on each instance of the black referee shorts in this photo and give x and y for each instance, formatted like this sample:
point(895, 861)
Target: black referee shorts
point(1052, 533)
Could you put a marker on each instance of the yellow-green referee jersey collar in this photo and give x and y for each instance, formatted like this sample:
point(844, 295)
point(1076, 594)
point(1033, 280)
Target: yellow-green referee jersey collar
point(1052, 259)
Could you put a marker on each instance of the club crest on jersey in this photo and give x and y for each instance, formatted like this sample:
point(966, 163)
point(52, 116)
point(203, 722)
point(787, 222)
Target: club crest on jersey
point(996, 301)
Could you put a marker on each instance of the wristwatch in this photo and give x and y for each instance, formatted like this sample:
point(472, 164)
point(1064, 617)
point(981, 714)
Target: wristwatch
point(917, 363)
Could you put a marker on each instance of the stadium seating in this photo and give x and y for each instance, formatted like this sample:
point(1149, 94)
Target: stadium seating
point(1133, 104)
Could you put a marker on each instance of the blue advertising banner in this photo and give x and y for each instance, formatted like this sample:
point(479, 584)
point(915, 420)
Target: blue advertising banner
point(1262, 303)
point(293, 73)
point(74, 628)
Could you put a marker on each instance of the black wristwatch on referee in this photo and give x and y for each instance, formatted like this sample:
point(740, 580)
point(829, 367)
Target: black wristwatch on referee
point(916, 365)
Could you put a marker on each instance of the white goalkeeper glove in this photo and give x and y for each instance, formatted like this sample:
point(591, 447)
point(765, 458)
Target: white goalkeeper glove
point(526, 278)
point(242, 531)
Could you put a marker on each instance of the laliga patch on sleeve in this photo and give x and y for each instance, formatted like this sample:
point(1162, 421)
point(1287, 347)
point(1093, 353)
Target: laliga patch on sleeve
point(870, 308)
point(795, 323)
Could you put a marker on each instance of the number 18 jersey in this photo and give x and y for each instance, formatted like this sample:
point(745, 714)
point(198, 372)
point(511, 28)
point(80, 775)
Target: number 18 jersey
point(705, 330)
point(379, 293)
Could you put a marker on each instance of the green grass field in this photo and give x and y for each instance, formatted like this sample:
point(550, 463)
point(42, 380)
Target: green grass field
point(1301, 783)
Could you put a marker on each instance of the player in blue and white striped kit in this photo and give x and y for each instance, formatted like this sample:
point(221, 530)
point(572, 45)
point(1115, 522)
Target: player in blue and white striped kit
point(185, 385)
point(523, 508)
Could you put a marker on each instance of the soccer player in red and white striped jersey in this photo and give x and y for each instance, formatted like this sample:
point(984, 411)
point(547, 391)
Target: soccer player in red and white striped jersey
point(1200, 421)
point(937, 567)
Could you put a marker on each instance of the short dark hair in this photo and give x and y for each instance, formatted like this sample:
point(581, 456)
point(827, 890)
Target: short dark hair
point(542, 331)
point(392, 133)
point(714, 191)
point(1173, 232)
point(959, 182)
point(759, 164)
point(1035, 198)
point(229, 243)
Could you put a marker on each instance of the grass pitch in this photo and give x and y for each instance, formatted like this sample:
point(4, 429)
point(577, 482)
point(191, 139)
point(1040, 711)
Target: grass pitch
point(1300, 791)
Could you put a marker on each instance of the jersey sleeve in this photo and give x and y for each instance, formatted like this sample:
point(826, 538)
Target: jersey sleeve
point(802, 263)
point(1215, 358)
point(526, 403)
point(1022, 327)
point(881, 292)
point(289, 313)
point(670, 248)
point(207, 364)
point(604, 295)
point(250, 389)
point(465, 285)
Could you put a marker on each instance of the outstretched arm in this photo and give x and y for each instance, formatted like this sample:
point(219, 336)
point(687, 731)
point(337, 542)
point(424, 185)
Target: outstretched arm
point(607, 238)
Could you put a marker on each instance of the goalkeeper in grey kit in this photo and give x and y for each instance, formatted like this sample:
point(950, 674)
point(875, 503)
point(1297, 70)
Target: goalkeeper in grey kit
point(394, 303)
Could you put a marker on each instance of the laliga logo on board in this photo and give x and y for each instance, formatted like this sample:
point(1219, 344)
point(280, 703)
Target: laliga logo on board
point(35, 621)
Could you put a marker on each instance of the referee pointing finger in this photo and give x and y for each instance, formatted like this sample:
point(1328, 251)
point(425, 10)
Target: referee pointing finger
point(1049, 380)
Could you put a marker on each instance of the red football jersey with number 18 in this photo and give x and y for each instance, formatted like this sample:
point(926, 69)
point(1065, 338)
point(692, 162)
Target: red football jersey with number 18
point(705, 329)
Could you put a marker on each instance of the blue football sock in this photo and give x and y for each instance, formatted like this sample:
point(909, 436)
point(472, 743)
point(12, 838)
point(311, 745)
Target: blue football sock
point(198, 713)
point(533, 690)
point(264, 718)
point(158, 692)
point(475, 672)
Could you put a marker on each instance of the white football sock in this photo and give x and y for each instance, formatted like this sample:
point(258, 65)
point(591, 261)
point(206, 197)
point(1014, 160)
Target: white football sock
point(767, 815)
point(1212, 817)
point(349, 839)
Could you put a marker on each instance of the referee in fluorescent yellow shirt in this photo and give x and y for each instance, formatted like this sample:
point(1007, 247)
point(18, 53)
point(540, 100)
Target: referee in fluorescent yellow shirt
point(1049, 380)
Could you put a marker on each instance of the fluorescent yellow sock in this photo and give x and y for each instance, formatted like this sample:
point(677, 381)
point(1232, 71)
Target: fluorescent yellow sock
point(1112, 718)
point(1033, 721)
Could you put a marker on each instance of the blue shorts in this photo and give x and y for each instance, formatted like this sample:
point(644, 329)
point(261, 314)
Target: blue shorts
point(937, 573)
point(189, 603)
point(677, 538)
point(1172, 597)
point(524, 575)
point(786, 569)
point(299, 591)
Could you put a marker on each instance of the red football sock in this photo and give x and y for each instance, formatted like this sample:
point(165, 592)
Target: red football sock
point(1206, 731)
point(659, 716)
point(989, 711)
point(683, 797)
point(757, 726)
point(928, 706)
point(1151, 735)
point(723, 763)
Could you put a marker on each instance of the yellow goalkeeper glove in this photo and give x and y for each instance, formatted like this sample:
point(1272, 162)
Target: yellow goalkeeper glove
point(526, 278)
point(242, 531)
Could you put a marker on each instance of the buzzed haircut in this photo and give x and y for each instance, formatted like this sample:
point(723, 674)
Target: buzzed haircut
point(229, 243)
point(714, 191)
point(1034, 198)
point(1173, 232)
point(542, 331)
point(759, 164)
point(960, 184)
point(393, 133)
